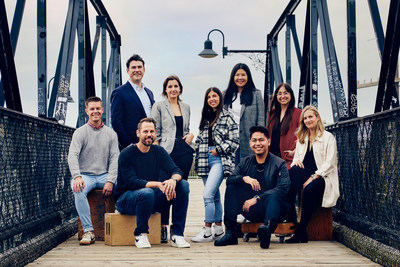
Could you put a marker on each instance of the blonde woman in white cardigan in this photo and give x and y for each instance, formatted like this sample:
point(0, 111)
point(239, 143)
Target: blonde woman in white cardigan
point(314, 169)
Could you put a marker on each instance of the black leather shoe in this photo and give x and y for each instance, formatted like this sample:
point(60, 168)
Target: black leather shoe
point(164, 235)
point(297, 238)
point(264, 234)
point(228, 239)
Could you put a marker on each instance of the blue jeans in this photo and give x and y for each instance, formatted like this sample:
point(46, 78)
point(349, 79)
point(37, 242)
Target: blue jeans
point(211, 195)
point(81, 202)
point(145, 201)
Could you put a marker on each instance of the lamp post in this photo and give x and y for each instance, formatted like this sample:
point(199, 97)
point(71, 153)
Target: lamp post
point(208, 52)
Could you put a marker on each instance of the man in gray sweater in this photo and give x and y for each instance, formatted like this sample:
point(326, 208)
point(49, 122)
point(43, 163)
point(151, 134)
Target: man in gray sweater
point(93, 162)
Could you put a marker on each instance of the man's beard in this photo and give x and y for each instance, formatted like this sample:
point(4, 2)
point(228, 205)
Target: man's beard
point(145, 143)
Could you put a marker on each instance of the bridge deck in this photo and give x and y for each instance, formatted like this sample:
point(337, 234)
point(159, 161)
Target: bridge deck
point(70, 253)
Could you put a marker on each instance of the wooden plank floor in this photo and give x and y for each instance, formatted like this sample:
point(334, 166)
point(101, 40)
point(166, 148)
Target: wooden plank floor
point(316, 253)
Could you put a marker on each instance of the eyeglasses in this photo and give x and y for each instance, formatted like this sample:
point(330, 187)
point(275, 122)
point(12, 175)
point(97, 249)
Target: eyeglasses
point(284, 93)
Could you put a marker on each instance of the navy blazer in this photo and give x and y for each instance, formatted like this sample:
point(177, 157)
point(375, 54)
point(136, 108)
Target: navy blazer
point(126, 112)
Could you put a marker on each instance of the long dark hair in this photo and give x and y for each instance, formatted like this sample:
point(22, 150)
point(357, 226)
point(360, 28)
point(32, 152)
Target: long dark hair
point(246, 97)
point(276, 115)
point(207, 114)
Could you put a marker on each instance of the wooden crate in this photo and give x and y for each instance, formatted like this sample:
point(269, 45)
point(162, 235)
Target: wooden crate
point(119, 229)
point(98, 207)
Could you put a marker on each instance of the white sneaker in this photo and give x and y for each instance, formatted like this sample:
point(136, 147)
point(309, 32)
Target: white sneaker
point(240, 218)
point(218, 232)
point(205, 235)
point(142, 241)
point(179, 242)
point(87, 238)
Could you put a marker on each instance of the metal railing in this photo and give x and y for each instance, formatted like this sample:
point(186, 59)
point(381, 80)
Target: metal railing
point(36, 204)
point(369, 176)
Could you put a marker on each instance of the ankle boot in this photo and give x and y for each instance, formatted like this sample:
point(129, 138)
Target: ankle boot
point(300, 235)
point(264, 234)
point(228, 239)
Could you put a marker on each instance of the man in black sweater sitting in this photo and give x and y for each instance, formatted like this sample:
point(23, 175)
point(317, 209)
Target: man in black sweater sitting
point(139, 191)
point(257, 189)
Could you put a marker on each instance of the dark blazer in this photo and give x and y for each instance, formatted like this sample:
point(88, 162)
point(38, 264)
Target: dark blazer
point(276, 176)
point(126, 112)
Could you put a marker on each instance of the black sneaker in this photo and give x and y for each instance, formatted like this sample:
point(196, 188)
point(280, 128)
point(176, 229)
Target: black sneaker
point(164, 235)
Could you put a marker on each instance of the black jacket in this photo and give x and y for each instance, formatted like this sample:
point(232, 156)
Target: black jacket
point(276, 175)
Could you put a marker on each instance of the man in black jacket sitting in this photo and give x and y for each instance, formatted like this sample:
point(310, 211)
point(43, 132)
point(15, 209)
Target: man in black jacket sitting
point(257, 189)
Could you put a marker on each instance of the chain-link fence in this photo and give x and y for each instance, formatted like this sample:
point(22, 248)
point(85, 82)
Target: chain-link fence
point(369, 176)
point(37, 207)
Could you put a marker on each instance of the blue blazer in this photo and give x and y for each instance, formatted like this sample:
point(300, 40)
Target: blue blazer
point(126, 112)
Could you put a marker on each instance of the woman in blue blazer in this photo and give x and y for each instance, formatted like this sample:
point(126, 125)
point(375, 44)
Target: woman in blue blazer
point(172, 124)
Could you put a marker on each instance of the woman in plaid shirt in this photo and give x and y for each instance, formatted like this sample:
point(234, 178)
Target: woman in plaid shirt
point(215, 158)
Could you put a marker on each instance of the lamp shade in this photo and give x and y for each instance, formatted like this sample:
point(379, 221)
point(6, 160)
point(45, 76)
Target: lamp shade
point(208, 52)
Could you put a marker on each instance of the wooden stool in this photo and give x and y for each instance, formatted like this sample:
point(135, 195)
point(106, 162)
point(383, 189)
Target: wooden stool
point(120, 228)
point(98, 207)
point(283, 230)
point(320, 226)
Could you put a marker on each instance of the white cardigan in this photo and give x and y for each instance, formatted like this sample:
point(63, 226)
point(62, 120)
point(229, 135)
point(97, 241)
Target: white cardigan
point(325, 155)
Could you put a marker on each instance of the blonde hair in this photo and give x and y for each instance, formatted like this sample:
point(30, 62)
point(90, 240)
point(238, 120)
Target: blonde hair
point(303, 132)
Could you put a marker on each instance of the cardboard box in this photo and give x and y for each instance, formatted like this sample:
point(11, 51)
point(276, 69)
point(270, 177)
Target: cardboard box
point(119, 229)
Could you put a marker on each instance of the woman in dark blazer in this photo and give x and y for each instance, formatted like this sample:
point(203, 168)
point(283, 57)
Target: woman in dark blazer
point(172, 124)
point(283, 121)
point(246, 104)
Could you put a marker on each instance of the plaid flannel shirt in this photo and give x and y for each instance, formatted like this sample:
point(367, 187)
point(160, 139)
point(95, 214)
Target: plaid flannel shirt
point(226, 140)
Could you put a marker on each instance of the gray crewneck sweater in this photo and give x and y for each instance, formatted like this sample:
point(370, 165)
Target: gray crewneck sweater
point(94, 152)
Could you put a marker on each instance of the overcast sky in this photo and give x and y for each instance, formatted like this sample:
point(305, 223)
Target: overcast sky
point(169, 34)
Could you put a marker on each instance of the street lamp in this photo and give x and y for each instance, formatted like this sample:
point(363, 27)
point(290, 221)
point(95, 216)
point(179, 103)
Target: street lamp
point(208, 52)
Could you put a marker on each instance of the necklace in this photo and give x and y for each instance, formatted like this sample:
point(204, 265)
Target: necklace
point(260, 167)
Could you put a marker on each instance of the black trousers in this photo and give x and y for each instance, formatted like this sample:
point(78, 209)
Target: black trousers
point(312, 193)
point(270, 210)
point(182, 155)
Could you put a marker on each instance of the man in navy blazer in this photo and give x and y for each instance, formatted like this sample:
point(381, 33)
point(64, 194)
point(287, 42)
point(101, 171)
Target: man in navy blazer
point(130, 103)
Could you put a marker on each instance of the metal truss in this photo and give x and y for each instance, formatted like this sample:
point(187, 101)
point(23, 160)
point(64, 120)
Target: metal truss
point(76, 24)
point(317, 13)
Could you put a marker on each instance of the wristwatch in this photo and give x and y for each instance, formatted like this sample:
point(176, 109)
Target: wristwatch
point(175, 179)
point(257, 197)
point(313, 176)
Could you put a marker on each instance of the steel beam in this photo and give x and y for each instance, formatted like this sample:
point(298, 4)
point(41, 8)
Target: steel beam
point(269, 76)
point(389, 59)
point(377, 23)
point(104, 95)
point(7, 64)
point(62, 79)
point(314, 54)
point(102, 11)
point(304, 87)
point(338, 97)
point(276, 66)
point(292, 19)
point(42, 58)
point(288, 54)
point(15, 29)
point(290, 8)
point(81, 65)
point(352, 58)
